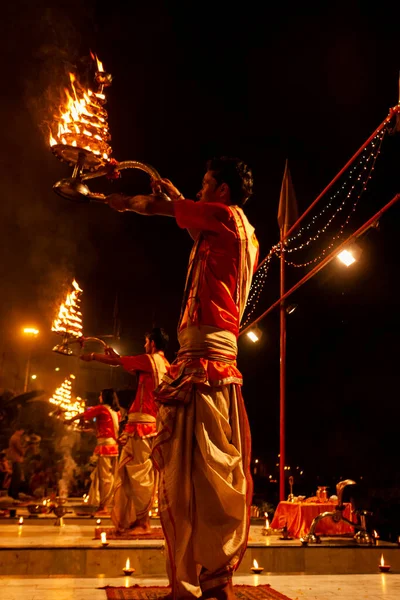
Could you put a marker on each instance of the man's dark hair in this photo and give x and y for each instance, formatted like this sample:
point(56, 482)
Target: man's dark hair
point(236, 174)
point(159, 337)
point(110, 398)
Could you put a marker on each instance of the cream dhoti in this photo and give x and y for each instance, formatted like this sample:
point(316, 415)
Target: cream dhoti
point(202, 453)
point(103, 475)
point(135, 482)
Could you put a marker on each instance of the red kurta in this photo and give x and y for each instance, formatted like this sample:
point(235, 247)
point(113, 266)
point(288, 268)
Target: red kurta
point(105, 428)
point(212, 294)
point(221, 266)
point(151, 368)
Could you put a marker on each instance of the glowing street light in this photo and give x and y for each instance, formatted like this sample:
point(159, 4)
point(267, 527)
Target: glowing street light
point(31, 331)
point(346, 257)
point(254, 334)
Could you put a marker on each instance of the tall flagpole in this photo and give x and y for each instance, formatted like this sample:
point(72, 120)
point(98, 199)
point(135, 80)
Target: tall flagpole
point(282, 371)
point(287, 214)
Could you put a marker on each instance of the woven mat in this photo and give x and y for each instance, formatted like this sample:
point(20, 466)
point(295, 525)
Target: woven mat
point(156, 534)
point(242, 592)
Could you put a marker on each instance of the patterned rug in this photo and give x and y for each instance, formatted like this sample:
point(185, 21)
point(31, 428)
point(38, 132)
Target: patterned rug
point(242, 592)
point(156, 534)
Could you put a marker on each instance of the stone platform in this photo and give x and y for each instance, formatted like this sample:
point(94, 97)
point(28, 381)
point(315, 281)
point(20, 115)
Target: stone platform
point(39, 548)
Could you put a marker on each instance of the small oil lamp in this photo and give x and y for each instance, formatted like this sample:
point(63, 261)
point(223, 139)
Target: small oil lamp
point(375, 537)
point(128, 570)
point(384, 568)
point(21, 521)
point(266, 530)
point(98, 522)
point(256, 569)
point(103, 537)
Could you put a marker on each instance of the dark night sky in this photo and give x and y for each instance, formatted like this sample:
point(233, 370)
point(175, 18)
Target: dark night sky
point(190, 81)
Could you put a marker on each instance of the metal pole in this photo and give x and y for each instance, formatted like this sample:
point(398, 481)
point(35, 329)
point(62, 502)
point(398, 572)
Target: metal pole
point(393, 111)
point(27, 370)
point(282, 373)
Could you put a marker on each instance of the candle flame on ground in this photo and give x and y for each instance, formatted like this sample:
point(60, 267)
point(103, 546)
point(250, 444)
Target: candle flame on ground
point(382, 561)
point(128, 564)
point(255, 564)
point(103, 536)
point(21, 520)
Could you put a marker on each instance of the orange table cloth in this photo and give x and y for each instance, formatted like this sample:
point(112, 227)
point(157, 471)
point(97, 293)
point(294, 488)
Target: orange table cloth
point(300, 515)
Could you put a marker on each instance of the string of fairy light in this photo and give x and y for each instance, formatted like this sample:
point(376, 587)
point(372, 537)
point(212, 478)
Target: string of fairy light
point(367, 174)
point(357, 179)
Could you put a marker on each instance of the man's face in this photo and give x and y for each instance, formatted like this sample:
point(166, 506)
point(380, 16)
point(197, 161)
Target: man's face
point(209, 189)
point(147, 346)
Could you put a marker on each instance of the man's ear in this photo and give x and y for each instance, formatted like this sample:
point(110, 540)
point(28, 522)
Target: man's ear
point(224, 191)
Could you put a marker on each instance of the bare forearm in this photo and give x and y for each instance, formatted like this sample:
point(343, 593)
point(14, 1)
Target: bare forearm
point(144, 205)
point(108, 360)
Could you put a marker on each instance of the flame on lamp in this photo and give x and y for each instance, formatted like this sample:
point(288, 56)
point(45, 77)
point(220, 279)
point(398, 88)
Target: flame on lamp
point(62, 398)
point(98, 62)
point(82, 120)
point(21, 520)
point(103, 536)
point(69, 318)
point(255, 564)
point(128, 564)
point(382, 561)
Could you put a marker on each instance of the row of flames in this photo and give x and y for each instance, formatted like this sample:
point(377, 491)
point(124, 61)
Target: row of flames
point(68, 323)
point(63, 399)
point(82, 119)
point(69, 318)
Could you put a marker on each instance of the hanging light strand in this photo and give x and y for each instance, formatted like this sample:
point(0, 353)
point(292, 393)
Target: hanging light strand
point(257, 287)
point(370, 154)
point(353, 181)
point(338, 236)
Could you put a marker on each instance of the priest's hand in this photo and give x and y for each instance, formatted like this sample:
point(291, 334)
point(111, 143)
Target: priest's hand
point(166, 186)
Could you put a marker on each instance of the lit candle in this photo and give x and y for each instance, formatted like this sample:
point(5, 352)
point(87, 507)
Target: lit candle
point(128, 570)
point(256, 569)
point(375, 537)
point(98, 521)
point(103, 536)
point(384, 568)
point(21, 520)
point(266, 530)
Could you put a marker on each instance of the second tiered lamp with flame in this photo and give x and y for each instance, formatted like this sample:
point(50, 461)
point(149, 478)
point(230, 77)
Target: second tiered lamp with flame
point(68, 323)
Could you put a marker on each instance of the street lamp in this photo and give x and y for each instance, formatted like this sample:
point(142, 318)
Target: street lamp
point(350, 255)
point(32, 332)
point(346, 257)
point(254, 334)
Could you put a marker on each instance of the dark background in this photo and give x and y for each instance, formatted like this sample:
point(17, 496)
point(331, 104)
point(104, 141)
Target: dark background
point(307, 83)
